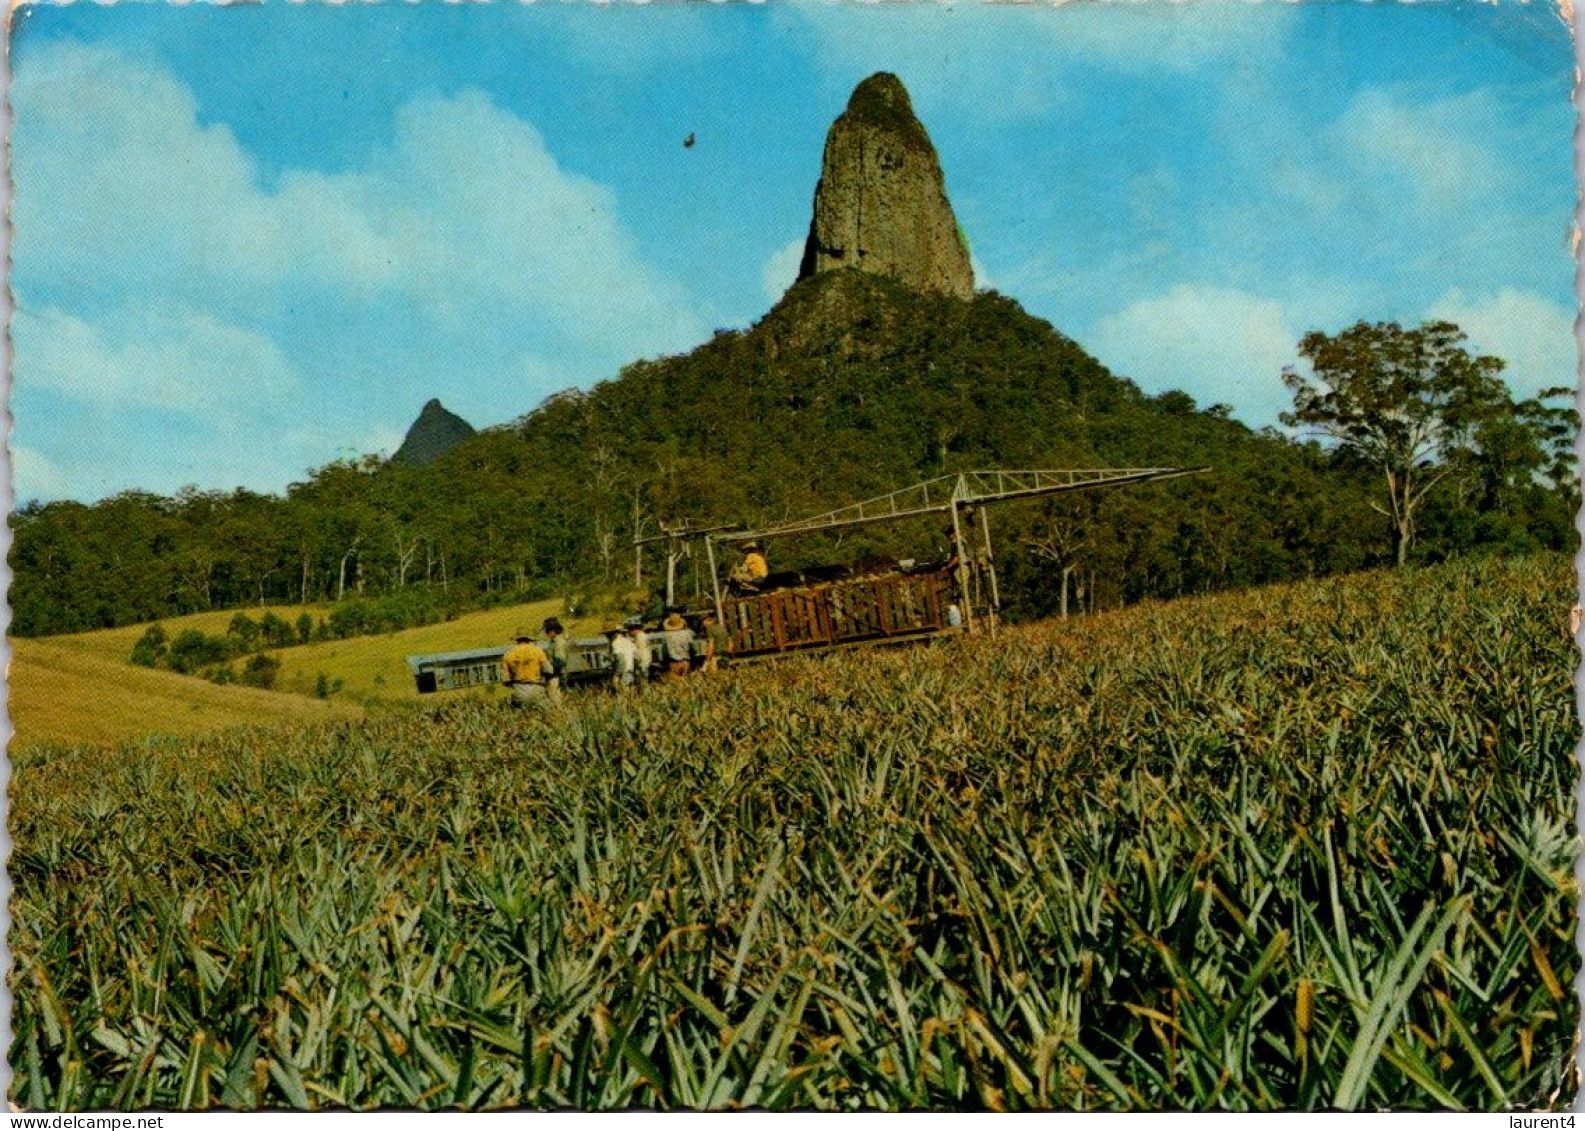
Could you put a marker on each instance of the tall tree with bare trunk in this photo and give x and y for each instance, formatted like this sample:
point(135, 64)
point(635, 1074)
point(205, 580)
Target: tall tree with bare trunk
point(1411, 402)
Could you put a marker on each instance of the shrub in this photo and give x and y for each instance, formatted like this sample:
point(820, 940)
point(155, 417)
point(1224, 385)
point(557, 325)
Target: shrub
point(277, 632)
point(261, 670)
point(151, 647)
point(244, 631)
point(193, 651)
point(305, 628)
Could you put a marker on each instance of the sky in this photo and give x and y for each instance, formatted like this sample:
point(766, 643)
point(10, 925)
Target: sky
point(248, 241)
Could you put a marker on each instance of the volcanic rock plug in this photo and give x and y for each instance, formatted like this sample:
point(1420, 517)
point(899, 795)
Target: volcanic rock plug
point(881, 205)
point(436, 431)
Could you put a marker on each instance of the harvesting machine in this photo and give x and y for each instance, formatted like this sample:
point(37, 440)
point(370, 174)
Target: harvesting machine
point(826, 608)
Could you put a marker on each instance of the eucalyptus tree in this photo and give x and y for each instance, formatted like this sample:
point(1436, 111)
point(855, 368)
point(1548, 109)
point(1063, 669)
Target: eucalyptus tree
point(1414, 403)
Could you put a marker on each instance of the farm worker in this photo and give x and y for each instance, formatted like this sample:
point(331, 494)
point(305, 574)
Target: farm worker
point(558, 656)
point(754, 563)
point(643, 655)
point(624, 654)
point(952, 548)
point(677, 645)
point(524, 668)
point(716, 642)
point(747, 575)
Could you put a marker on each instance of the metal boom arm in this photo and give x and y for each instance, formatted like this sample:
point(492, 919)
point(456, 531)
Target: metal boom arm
point(953, 494)
point(967, 488)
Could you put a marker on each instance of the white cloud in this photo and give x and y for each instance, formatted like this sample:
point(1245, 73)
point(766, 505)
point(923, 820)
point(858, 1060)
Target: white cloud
point(1218, 345)
point(181, 360)
point(35, 477)
point(1533, 335)
point(1005, 60)
point(469, 211)
point(1396, 152)
point(781, 268)
point(1439, 149)
point(1409, 192)
point(466, 209)
point(114, 173)
point(155, 398)
point(163, 266)
point(1172, 37)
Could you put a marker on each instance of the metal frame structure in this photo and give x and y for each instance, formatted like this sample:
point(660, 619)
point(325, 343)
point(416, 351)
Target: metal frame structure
point(679, 535)
point(958, 495)
point(955, 495)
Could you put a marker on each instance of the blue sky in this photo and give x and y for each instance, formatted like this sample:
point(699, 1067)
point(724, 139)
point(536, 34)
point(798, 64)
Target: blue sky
point(251, 240)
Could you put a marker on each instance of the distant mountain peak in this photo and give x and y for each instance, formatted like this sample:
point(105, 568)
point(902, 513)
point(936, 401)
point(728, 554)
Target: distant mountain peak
point(881, 204)
point(436, 431)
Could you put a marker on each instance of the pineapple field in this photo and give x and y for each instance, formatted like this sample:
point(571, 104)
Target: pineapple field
point(1302, 847)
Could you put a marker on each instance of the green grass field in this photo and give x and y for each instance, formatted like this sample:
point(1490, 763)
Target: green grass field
point(64, 692)
point(83, 687)
point(1299, 848)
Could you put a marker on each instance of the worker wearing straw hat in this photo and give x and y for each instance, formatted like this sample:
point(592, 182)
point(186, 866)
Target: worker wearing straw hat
point(749, 573)
point(526, 669)
point(677, 645)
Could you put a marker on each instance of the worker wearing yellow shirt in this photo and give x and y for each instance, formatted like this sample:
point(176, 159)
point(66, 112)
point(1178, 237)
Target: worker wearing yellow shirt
point(525, 668)
point(748, 573)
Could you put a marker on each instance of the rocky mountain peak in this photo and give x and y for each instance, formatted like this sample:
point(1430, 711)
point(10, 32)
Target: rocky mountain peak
point(436, 431)
point(881, 204)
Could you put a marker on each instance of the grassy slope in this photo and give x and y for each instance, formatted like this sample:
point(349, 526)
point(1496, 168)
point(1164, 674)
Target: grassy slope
point(117, 643)
point(65, 692)
point(82, 688)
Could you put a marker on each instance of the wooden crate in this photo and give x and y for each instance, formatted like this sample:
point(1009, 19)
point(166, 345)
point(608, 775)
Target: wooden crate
point(843, 612)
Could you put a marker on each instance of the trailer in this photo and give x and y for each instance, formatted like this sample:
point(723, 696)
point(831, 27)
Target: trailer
point(866, 610)
point(589, 661)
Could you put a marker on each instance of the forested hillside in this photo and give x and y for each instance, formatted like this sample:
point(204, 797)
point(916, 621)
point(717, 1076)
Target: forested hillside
point(851, 386)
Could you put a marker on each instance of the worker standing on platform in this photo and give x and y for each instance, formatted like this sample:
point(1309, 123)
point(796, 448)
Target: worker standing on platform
point(749, 573)
point(525, 668)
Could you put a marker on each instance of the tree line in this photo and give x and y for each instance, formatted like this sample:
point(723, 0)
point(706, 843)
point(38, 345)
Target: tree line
point(851, 387)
